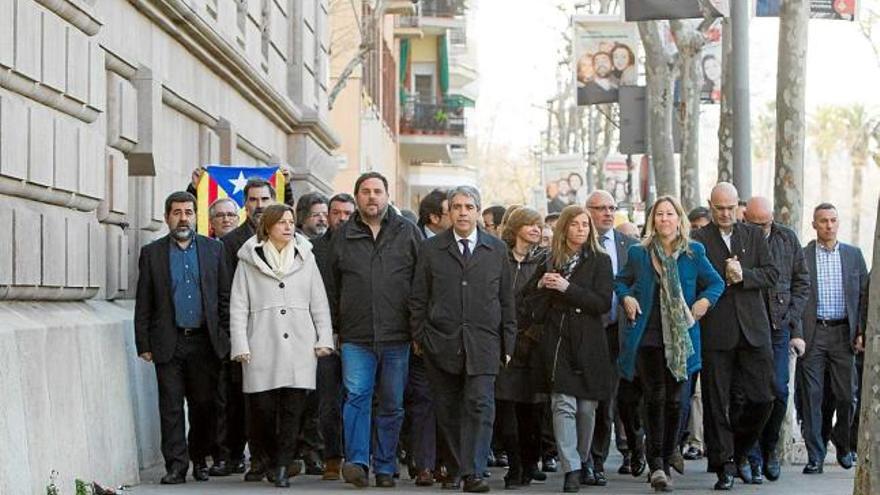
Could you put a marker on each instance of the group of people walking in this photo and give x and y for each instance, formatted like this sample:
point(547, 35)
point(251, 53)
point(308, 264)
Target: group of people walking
point(333, 328)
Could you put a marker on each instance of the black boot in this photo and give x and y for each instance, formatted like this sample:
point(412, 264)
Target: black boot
point(281, 478)
point(572, 481)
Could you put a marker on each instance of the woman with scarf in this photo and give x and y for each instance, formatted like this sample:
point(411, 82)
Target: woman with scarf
point(658, 288)
point(517, 406)
point(569, 293)
point(279, 323)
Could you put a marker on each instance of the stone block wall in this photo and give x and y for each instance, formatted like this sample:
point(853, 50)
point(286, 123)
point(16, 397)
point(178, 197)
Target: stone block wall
point(106, 106)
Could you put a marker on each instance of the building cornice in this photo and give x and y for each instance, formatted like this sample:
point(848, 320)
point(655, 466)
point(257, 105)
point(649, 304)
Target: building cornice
point(177, 19)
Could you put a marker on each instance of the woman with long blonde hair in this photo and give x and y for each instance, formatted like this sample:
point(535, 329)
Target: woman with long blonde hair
point(569, 294)
point(661, 345)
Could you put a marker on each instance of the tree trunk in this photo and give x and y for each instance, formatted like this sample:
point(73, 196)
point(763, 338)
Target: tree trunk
point(788, 184)
point(658, 68)
point(725, 123)
point(690, 43)
point(857, 179)
point(867, 480)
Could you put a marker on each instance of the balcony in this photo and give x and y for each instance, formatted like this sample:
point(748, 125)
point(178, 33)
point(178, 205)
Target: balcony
point(442, 8)
point(408, 26)
point(438, 16)
point(429, 130)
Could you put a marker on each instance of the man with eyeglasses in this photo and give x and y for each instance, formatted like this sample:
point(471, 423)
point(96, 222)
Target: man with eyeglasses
point(786, 302)
point(602, 208)
point(223, 214)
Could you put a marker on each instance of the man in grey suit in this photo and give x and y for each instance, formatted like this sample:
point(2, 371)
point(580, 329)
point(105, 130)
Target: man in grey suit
point(602, 207)
point(834, 330)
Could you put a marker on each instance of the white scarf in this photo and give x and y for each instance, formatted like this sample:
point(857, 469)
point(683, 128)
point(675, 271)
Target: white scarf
point(279, 261)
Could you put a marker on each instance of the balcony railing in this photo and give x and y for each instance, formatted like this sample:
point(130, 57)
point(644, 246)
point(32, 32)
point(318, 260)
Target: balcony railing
point(442, 8)
point(420, 117)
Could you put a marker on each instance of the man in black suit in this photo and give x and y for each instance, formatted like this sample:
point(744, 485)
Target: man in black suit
point(602, 207)
point(737, 374)
point(182, 326)
point(834, 330)
point(463, 320)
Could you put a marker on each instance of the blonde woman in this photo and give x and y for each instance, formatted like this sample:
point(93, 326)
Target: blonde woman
point(279, 323)
point(569, 294)
point(658, 290)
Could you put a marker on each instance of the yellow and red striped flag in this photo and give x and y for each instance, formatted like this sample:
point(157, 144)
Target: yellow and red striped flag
point(228, 181)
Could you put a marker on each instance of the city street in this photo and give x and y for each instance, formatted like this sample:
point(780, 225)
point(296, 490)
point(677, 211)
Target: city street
point(835, 481)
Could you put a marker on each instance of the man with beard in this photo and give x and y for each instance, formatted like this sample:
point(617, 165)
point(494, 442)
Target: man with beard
point(258, 194)
point(182, 326)
point(371, 264)
point(311, 215)
point(603, 88)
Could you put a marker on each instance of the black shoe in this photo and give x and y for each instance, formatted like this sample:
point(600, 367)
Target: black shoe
point(314, 467)
point(846, 460)
point(236, 467)
point(549, 464)
point(200, 472)
point(637, 465)
point(255, 474)
point(813, 468)
point(385, 481)
point(219, 469)
point(281, 478)
point(757, 473)
point(451, 484)
point(572, 482)
point(472, 484)
point(512, 483)
point(535, 474)
point(601, 479)
point(744, 471)
point(355, 474)
point(624, 466)
point(270, 475)
point(772, 469)
point(501, 460)
point(173, 478)
point(588, 477)
point(725, 481)
point(692, 453)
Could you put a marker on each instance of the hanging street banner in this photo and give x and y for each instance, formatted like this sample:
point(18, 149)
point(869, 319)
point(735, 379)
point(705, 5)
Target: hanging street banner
point(710, 91)
point(839, 10)
point(653, 10)
point(564, 182)
point(228, 181)
point(604, 58)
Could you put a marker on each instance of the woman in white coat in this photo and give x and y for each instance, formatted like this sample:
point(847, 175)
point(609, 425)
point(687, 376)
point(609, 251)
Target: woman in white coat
point(279, 324)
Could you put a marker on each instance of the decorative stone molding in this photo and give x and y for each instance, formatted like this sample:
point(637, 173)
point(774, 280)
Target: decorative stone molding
point(44, 94)
point(75, 12)
point(200, 38)
point(24, 189)
point(184, 106)
point(24, 293)
point(251, 149)
point(149, 107)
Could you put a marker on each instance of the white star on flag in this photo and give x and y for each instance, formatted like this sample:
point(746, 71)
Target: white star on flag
point(239, 183)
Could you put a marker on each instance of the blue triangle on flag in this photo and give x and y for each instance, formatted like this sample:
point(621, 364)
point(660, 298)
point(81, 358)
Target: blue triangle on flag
point(232, 178)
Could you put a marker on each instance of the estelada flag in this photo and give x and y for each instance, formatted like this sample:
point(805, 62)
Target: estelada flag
point(228, 181)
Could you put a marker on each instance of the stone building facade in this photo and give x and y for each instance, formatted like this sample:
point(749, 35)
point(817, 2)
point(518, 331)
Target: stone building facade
point(106, 106)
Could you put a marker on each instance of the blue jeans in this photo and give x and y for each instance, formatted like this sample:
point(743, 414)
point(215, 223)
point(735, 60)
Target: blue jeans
point(382, 368)
point(770, 435)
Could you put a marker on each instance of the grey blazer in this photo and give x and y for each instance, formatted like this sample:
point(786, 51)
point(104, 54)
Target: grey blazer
point(855, 288)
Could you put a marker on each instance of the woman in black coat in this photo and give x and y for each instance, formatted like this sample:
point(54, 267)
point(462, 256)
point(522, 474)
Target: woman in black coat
point(517, 405)
point(569, 294)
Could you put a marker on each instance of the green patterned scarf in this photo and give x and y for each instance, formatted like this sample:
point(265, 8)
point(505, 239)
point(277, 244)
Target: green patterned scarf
point(675, 315)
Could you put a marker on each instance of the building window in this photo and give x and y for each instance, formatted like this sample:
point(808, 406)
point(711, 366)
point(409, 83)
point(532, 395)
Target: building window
point(241, 21)
point(265, 32)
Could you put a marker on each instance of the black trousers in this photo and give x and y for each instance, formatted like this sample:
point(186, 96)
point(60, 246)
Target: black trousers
point(329, 393)
point(420, 422)
point(606, 414)
point(275, 420)
point(465, 408)
point(829, 351)
point(662, 406)
point(519, 432)
point(629, 407)
point(190, 375)
point(230, 415)
point(737, 401)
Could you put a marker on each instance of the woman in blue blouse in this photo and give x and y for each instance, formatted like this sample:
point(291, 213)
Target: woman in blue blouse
point(666, 286)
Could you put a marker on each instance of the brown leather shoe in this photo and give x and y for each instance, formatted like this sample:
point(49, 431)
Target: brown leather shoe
point(424, 478)
point(331, 470)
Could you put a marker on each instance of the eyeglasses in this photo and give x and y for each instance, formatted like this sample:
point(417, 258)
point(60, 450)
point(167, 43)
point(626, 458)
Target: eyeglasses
point(609, 209)
point(226, 215)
